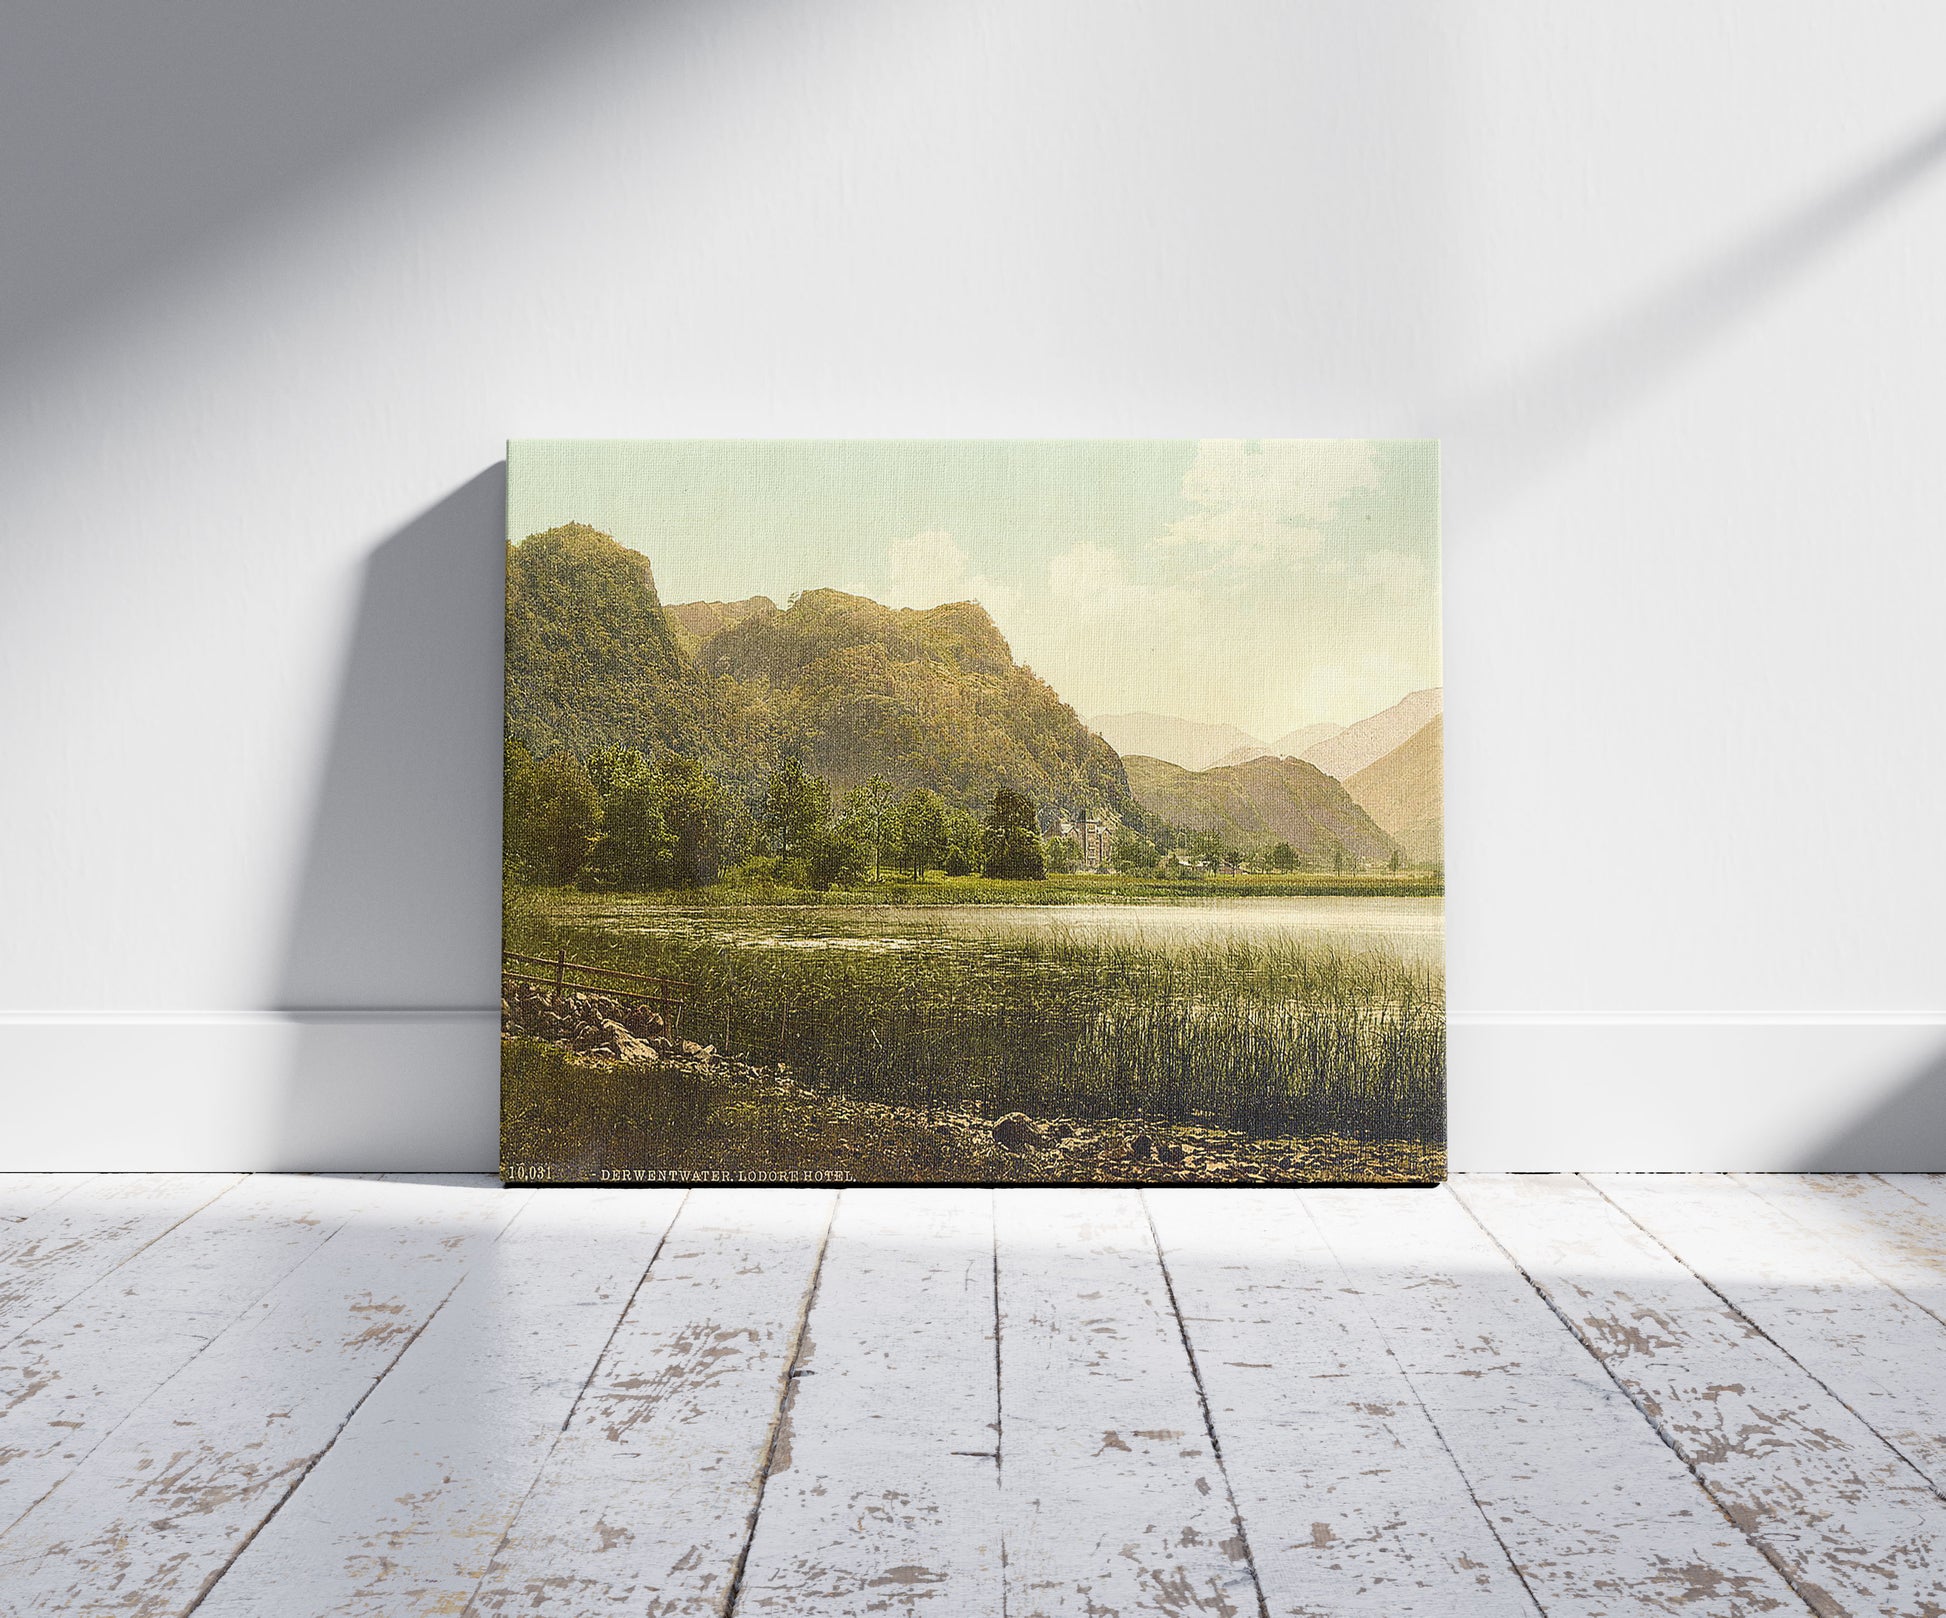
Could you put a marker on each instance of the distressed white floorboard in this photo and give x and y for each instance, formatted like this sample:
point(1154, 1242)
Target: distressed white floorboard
point(1113, 1499)
point(1878, 1352)
point(22, 1194)
point(1597, 1513)
point(332, 1396)
point(69, 1380)
point(883, 1494)
point(1927, 1189)
point(403, 1514)
point(1893, 1224)
point(645, 1504)
point(156, 1512)
point(1849, 1519)
point(1350, 1501)
point(61, 1248)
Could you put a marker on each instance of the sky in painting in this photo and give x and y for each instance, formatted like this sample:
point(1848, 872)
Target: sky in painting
point(1265, 584)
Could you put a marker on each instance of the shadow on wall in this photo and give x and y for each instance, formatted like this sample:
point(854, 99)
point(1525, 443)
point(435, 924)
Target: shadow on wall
point(1905, 1133)
point(135, 139)
point(390, 965)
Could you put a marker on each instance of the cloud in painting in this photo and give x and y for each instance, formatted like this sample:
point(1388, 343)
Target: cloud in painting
point(1263, 501)
point(1109, 639)
point(1091, 585)
point(929, 568)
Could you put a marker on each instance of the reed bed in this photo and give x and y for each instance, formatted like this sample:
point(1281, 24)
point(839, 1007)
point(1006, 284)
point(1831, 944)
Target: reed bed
point(1272, 1037)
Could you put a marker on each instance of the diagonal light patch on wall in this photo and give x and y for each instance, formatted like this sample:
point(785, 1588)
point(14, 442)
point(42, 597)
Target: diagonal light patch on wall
point(1516, 430)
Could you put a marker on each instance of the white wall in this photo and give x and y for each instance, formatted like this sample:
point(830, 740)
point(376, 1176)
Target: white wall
point(1665, 278)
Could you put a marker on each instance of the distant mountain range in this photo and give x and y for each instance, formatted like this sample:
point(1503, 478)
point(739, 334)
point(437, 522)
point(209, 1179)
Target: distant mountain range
point(1365, 743)
point(1188, 742)
point(1291, 745)
point(1259, 804)
point(1296, 743)
point(1405, 793)
point(1340, 751)
point(1365, 788)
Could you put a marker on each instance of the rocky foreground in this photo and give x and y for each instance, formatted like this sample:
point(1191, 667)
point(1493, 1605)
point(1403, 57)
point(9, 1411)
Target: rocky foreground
point(768, 1108)
point(602, 1027)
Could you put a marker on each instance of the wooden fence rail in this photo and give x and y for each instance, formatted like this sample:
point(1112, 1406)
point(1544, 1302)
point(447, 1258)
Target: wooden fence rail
point(562, 983)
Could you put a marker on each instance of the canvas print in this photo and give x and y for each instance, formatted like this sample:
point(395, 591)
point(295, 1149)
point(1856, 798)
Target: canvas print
point(977, 812)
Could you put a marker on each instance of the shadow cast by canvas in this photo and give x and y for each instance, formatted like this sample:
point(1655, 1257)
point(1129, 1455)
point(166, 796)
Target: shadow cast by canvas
point(390, 960)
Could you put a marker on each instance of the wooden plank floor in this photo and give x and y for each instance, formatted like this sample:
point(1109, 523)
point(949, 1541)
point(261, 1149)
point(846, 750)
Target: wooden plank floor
point(1521, 1395)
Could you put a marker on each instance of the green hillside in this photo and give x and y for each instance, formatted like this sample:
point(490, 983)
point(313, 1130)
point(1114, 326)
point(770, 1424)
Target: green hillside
point(927, 698)
point(592, 661)
point(1256, 805)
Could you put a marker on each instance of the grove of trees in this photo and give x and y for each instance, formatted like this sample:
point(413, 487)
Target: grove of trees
point(624, 823)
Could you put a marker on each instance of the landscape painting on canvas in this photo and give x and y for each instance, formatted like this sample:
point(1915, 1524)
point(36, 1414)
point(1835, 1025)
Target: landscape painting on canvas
point(981, 812)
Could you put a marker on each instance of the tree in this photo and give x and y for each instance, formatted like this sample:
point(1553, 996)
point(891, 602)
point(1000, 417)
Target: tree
point(1338, 861)
point(871, 806)
point(562, 815)
point(1393, 863)
point(1063, 854)
point(1131, 853)
point(699, 815)
point(965, 841)
point(612, 768)
point(796, 806)
point(1012, 844)
point(516, 811)
point(636, 849)
point(1283, 858)
point(921, 831)
point(836, 854)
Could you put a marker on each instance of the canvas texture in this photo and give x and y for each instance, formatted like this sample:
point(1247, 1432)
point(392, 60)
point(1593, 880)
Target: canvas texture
point(981, 812)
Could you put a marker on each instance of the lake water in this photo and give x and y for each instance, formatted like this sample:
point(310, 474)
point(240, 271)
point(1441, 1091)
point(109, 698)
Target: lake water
point(1411, 927)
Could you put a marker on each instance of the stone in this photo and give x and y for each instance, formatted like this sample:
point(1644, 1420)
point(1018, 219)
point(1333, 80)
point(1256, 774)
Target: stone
point(1016, 1132)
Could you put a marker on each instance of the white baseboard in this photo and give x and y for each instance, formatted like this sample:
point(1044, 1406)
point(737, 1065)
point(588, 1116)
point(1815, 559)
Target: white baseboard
point(1831, 1092)
point(250, 1090)
point(417, 1090)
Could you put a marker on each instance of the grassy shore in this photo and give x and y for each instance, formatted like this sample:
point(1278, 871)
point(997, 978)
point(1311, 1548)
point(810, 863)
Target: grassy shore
point(1272, 1039)
point(1081, 888)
